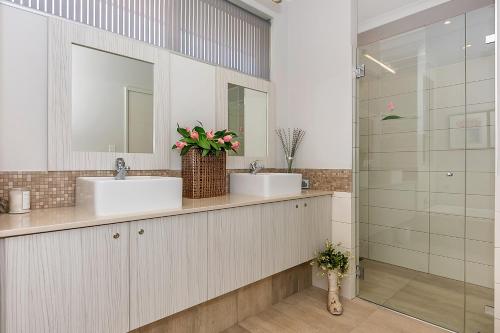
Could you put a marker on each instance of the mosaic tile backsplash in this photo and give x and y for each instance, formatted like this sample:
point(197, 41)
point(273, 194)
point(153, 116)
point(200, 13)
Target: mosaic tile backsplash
point(50, 189)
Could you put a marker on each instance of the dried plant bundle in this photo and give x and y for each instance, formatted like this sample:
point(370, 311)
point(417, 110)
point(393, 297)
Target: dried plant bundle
point(290, 140)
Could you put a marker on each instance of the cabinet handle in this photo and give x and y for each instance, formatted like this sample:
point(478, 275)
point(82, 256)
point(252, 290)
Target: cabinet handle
point(141, 231)
point(296, 206)
point(116, 235)
point(305, 204)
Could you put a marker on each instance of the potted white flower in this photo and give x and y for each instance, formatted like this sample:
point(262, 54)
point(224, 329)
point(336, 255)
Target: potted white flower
point(333, 263)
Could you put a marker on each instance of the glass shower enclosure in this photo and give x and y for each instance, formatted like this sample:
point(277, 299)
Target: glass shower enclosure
point(425, 172)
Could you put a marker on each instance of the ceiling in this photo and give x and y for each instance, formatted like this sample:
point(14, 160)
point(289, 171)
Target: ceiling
point(373, 13)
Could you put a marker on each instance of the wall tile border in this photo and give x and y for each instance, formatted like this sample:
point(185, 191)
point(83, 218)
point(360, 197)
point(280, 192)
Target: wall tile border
point(51, 189)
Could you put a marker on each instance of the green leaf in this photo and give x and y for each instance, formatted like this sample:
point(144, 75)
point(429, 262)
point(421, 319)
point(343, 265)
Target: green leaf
point(215, 145)
point(203, 142)
point(189, 140)
point(174, 147)
point(217, 152)
point(183, 132)
point(392, 116)
point(220, 134)
point(199, 129)
point(185, 150)
point(205, 152)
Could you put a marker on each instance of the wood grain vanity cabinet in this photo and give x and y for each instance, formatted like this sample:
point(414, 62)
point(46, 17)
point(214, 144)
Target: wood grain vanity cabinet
point(66, 281)
point(234, 249)
point(293, 231)
point(168, 266)
point(118, 277)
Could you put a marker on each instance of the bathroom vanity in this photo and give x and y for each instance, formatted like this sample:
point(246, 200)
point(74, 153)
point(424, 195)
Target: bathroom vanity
point(65, 270)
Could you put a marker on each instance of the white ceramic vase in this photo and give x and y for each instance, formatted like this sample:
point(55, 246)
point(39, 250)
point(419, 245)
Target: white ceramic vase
point(334, 305)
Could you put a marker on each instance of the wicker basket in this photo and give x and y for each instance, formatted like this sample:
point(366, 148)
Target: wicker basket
point(203, 176)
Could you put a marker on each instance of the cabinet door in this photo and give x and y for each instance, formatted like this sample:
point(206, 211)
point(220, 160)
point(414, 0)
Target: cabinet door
point(234, 249)
point(315, 225)
point(280, 236)
point(66, 281)
point(168, 266)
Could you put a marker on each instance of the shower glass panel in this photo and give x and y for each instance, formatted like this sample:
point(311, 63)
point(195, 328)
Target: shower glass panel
point(426, 172)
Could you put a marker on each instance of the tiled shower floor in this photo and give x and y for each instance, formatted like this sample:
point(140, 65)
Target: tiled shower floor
point(435, 299)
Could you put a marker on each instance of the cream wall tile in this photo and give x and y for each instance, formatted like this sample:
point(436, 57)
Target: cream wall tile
point(363, 231)
point(348, 286)
point(497, 228)
point(479, 252)
point(399, 180)
point(408, 161)
point(397, 256)
point(482, 183)
point(363, 179)
point(497, 264)
point(453, 160)
point(363, 249)
point(447, 267)
point(363, 214)
point(447, 97)
point(405, 81)
point(409, 141)
point(480, 229)
point(405, 239)
point(440, 118)
point(446, 75)
point(341, 209)
point(418, 122)
point(447, 139)
point(451, 247)
point(363, 110)
point(481, 91)
point(447, 203)
point(441, 182)
point(407, 105)
point(342, 233)
point(363, 143)
point(481, 68)
point(480, 206)
point(480, 160)
point(364, 125)
point(363, 197)
point(481, 275)
point(403, 219)
point(448, 225)
point(408, 200)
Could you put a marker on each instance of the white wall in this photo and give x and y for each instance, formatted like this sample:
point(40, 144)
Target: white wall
point(312, 66)
point(23, 90)
point(192, 94)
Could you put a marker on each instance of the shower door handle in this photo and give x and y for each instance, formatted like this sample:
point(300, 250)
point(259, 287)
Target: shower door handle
point(450, 174)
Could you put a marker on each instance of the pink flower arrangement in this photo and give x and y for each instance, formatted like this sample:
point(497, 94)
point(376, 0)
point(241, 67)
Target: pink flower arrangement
point(209, 142)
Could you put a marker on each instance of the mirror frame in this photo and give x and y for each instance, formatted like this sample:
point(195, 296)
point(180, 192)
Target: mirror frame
point(223, 78)
point(62, 35)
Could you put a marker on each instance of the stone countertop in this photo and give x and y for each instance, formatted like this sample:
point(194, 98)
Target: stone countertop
point(56, 219)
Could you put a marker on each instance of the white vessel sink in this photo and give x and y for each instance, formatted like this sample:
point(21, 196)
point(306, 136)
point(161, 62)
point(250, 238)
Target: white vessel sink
point(107, 196)
point(266, 184)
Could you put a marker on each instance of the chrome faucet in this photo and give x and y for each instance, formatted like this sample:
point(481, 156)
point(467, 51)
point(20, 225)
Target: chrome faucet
point(255, 167)
point(121, 169)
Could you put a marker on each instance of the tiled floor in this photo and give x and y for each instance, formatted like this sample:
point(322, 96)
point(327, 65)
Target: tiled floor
point(306, 312)
point(441, 301)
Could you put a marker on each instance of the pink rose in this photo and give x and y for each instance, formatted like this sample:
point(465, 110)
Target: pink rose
point(228, 138)
point(235, 145)
point(194, 135)
point(180, 145)
point(220, 141)
point(188, 129)
point(210, 135)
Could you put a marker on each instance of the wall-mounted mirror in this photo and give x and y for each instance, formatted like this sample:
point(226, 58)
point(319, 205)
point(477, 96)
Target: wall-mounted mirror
point(112, 102)
point(247, 116)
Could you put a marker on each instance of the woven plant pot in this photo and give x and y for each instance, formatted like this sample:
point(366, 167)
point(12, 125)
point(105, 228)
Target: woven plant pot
point(203, 176)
